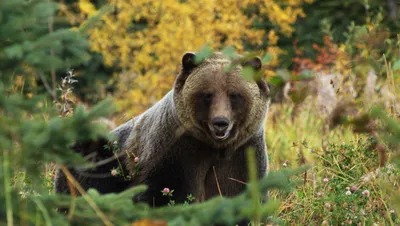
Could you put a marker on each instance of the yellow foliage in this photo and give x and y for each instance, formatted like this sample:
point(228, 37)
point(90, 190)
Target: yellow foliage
point(272, 37)
point(87, 7)
point(148, 38)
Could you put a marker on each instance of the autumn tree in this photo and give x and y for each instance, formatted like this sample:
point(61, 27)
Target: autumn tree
point(147, 38)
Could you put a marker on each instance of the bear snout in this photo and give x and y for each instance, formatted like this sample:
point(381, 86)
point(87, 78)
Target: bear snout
point(220, 124)
point(220, 127)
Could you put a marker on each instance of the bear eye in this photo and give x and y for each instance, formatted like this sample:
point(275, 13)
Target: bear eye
point(235, 97)
point(206, 97)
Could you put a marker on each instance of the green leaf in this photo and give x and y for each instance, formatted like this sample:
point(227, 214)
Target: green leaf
point(267, 58)
point(276, 81)
point(204, 52)
point(248, 73)
point(396, 66)
point(229, 51)
point(361, 31)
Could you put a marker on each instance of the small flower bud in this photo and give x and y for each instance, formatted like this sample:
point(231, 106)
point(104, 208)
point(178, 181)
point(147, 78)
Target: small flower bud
point(366, 193)
point(325, 180)
point(348, 192)
point(136, 159)
point(165, 190)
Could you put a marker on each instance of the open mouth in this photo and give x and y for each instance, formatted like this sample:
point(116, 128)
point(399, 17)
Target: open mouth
point(220, 135)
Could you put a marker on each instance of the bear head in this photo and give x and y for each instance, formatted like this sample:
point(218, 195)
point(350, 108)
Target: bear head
point(216, 105)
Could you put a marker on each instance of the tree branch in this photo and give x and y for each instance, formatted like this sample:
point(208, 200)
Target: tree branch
point(47, 86)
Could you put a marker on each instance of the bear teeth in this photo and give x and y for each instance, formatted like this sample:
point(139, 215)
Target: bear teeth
point(221, 136)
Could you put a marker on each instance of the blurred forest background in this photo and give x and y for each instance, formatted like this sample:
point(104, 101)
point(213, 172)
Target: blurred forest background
point(334, 67)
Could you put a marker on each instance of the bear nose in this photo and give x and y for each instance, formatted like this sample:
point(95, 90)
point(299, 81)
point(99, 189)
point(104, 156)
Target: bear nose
point(220, 124)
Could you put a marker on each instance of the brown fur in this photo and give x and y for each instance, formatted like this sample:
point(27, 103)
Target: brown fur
point(210, 77)
point(162, 134)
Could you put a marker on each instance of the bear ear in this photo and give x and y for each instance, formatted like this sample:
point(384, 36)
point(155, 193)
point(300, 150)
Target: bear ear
point(264, 87)
point(188, 62)
point(255, 63)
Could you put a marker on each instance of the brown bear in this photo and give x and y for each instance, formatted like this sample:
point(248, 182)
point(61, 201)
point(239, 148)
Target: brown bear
point(192, 141)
